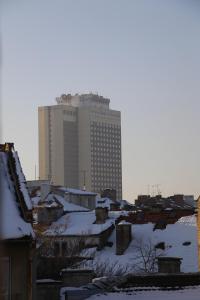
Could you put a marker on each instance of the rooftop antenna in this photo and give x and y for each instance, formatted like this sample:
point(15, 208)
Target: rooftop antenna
point(157, 189)
point(153, 190)
point(148, 189)
point(50, 178)
point(84, 179)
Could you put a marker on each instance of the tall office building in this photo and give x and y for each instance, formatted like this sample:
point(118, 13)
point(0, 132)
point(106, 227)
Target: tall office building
point(80, 143)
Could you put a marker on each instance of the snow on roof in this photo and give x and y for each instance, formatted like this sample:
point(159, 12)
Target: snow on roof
point(123, 222)
point(70, 207)
point(80, 223)
point(189, 220)
point(22, 181)
point(77, 192)
point(125, 202)
point(53, 200)
point(103, 202)
point(185, 230)
point(35, 200)
point(116, 214)
point(49, 201)
point(12, 223)
point(188, 293)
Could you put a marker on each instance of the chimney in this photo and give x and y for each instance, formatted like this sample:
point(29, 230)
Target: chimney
point(123, 236)
point(45, 189)
point(101, 215)
point(169, 264)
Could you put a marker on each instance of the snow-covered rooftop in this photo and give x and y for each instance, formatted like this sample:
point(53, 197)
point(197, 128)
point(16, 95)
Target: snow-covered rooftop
point(22, 181)
point(52, 200)
point(76, 191)
point(12, 223)
point(175, 237)
point(79, 224)
point(188, 293)
point(103, 202)
point(70, 207)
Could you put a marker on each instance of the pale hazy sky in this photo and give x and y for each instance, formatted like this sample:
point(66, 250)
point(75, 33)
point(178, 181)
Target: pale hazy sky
point(142, 54)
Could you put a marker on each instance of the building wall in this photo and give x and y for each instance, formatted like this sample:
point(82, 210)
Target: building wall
point(77, 277)
point(21, 273)
point(56, 145)
point(48, 290)
point(106, 151)
point(84, 148)
point(70, 154)
point(57, 132)
point(86, 201)
point(43, 125)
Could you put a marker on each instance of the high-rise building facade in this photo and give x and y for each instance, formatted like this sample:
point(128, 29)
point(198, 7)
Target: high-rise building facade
point(80, 143)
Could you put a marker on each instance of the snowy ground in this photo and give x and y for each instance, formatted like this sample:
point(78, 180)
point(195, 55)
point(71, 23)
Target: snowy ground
point(192, 293)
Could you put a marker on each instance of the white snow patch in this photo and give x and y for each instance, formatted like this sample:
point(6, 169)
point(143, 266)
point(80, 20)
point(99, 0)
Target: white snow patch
point(173, 236)
point(191, 293)
point(79, 224)
point(22, 181)
point(70, 207)
point(12, 224)
point(76, 192)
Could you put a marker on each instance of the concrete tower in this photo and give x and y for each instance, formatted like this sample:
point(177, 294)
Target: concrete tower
point(80, 143)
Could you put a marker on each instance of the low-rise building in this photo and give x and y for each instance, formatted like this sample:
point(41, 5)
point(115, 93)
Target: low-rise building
point(178, 201)
point(78, 197)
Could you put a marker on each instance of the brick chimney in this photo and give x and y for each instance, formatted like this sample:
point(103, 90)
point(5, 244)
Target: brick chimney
point(169, 264)
point(123, 236)
point(45, 189)
point(101, 214)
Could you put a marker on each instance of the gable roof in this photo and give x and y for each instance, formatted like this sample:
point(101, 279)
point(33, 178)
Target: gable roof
point(79, 224)
point(16, 207)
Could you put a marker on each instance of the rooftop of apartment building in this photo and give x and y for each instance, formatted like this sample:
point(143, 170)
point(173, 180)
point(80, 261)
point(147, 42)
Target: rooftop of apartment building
point(83, 100)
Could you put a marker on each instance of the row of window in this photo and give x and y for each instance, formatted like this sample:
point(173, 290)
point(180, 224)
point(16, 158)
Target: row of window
point(105, 132)
point(69, 112)
point(105, 140)
point(106, 144)
point(106, 168)
point(102, 178)
point(97, 149)
point(96, 125)
point(106, 154)
point(104, 171)
point(114, 159)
